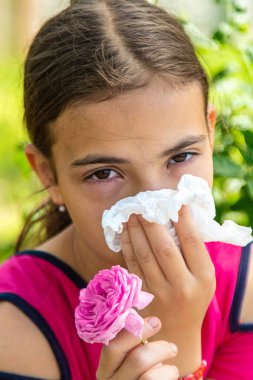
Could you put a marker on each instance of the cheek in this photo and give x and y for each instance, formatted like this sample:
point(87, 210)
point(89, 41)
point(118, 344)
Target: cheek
point(105, 194)
point(86, 208)
point(84, 212)
point(201, 167)
point(86, 203)
point(205, 170)
point(88, 226)
point(87, 220)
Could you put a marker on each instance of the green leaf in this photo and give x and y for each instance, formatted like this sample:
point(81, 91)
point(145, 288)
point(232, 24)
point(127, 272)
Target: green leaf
point(223, 73)
point(250, 187)
point(224, 167)
point(248, 136)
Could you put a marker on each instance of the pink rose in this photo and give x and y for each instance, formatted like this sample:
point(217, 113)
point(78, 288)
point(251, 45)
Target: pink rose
point(106, 306)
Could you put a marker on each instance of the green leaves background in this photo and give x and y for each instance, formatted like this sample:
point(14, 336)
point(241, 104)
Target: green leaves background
point(228, 59)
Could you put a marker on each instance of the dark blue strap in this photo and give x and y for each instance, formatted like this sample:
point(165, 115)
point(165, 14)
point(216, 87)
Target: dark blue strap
point(235, 312)
point(12, 376)
point(65, 268)
point(42, 324)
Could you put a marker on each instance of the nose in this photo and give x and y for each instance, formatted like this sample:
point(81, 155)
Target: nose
point(154, 182)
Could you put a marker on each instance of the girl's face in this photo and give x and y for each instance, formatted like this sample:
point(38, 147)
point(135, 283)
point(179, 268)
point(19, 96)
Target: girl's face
point(144, 139)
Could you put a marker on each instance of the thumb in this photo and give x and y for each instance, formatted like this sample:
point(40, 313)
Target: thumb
point(151, 326)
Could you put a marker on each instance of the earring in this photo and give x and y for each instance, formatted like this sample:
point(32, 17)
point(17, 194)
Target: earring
point(62, 208)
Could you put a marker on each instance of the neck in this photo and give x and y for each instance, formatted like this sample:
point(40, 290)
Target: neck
point(70, 248)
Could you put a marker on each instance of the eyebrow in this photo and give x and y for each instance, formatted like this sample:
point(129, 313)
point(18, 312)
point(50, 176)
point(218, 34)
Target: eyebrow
point(182, 144)
point(92, 159)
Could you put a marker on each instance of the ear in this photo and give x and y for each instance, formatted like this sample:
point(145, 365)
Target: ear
point(212, 116)
point(43, 168)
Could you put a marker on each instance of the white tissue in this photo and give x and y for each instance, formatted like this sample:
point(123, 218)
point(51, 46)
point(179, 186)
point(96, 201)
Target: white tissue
point(162, 206)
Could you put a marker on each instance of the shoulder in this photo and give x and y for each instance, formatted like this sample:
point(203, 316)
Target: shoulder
point(23, 348)
point(19, 273)
point(38, 292)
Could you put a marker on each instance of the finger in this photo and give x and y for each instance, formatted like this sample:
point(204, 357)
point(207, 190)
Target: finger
point(114, 354)
point(165, 372)
point(152, 271)
point(166, 252)
point(129, 256)
point(191, 243)
point(143, 358)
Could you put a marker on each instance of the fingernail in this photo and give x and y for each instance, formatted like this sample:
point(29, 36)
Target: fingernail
point(176, 371)
point(173, 348)
point(154, 322)
point(183, 210)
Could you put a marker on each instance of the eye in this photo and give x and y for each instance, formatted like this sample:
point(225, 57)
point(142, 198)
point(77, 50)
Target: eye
point(103, 174)
point(182, 157)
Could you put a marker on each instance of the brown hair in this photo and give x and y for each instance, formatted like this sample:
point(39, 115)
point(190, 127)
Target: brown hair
point(92, 51)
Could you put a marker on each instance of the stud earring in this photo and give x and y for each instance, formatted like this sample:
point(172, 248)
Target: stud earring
point(62, 208)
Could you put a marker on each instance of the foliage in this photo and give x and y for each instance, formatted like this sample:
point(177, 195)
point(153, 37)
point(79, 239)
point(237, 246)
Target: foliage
point(16, 181)
point(228, 59)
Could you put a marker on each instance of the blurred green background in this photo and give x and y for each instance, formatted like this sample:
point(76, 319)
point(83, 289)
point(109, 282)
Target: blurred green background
point(225, 48)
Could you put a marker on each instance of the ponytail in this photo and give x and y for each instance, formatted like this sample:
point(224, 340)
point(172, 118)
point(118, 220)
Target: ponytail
point(41, 224)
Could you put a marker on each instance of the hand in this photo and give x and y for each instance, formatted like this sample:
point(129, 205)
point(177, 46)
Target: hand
point(182, 281)
point(125, 358)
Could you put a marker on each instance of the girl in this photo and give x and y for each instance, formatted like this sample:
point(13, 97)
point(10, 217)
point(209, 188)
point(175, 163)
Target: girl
point(116, 103)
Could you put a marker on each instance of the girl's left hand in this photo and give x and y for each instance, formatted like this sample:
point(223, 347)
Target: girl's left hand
point(182, 280)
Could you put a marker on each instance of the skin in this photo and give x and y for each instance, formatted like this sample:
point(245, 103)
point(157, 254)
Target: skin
point(141, 140)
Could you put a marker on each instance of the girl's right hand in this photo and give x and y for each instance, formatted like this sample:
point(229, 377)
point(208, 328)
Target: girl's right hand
point(125, 358)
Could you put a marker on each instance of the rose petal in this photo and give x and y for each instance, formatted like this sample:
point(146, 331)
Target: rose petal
point(143, 300)
point(113, 330)
point(134, 323)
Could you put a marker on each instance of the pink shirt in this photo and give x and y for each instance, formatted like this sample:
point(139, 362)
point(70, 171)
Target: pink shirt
point(47, 290)
point(227, 343)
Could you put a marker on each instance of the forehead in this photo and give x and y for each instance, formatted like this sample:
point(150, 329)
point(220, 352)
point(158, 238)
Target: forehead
point(146, 113)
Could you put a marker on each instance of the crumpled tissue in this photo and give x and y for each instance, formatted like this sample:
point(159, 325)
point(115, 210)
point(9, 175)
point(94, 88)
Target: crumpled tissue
point(162, 207)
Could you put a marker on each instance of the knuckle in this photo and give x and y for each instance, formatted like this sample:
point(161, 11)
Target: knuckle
point(192, 238)
point(208, 277)
point(131, 260)
point(138, 359)
point(211, 286)
point(165, 250)
point(113, 348)
point(184, 295)
point(144, 255)
point(124, 238)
